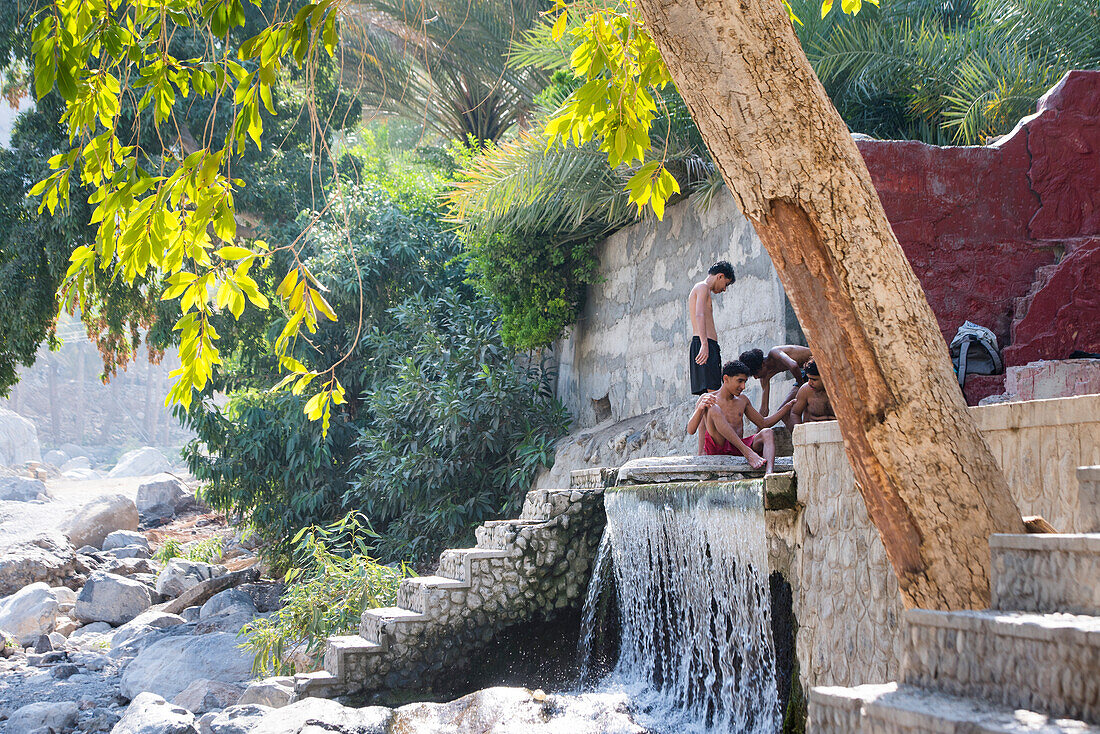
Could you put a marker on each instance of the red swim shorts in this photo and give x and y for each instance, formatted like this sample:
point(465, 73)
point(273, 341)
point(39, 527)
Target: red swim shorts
point(711, 449)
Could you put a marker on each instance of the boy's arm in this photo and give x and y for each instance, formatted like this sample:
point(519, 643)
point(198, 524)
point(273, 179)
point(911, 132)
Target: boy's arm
point(753, 415)
point(699, 324)
point(788, 364)
point(705, 401)
point(765, 399)
point(799, 407)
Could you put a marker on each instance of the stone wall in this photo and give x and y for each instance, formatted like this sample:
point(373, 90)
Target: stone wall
point(846, 596)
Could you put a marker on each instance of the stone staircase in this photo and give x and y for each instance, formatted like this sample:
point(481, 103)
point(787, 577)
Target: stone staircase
point(519, 571)
point(1031, 663)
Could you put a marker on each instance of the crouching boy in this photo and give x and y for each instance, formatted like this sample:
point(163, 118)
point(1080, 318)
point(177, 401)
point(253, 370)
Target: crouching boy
point(721, 414)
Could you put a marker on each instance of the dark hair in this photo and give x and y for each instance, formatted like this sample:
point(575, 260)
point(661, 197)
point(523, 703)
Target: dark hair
point(810, 368)
point(735, 367)
point(722, 267)
point(753, 359)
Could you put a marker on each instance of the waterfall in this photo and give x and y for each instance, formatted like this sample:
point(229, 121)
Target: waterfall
point(691, 569)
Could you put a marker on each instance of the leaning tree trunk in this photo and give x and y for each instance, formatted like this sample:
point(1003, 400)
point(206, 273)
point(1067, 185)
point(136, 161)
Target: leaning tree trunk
point(928, 478)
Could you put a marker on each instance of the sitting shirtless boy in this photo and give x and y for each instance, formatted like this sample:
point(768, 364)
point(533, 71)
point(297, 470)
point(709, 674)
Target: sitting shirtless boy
point(784, 358)
point(812, 402)
point(721, 414)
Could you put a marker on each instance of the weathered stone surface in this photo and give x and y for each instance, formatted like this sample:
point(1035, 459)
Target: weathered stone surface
point(131, 552)
point(1064, 315)
point(208, 695)
point(161, 496)
point(150, 619)
point(266, 595)
point(123, 538)
point(55, 458)
point(228, 601)
point(91, 635)
point(142, 462)
point(180, 575)
point(312, 714)
point(48, 557)
point(101, 517)
point(659, 469)
point(275, 692)
point(33, 716)
point(112, 599)
point(21, 489)
point(18, 439)
point(149, 713)
point(29, 613)
point(169, 665)
point(1060, 378)
point(239, 719)
point(1046, 573)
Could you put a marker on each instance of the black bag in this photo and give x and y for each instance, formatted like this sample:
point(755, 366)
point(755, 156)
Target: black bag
point(974, 351)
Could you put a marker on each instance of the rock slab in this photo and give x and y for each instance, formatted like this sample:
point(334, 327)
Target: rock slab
point(166, 667)
point(143, 462)
point(21, 489)
point(29, 613)
point(101, 517)
point(161, 496)
point(110, 598)
point(148, 713)
point(18, 439)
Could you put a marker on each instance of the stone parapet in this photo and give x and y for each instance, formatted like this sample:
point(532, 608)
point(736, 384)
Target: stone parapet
point(1046, 573)
point(1039, 662)
point(1088, 498)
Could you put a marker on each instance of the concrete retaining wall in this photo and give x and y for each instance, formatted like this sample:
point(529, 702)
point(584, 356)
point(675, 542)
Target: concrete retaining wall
point(846, 596)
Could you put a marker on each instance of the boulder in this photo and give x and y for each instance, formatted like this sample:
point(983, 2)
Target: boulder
point(18, 439)
point(208, 695)
point(96, 635)
point(148, 713)
point(150, 619)
point(131, 567)
point(130, 552)
point(275, 692)
point(313, 714)
point(143, 462)
point(53, 716)
point(267, 596)
point(166, 667)
point(48, 557)
point(75, 463)
point(161, 496)
point(80, 475)
point(64, 595)
point(230, 620)
point(29, 613)
point(239, 719)
point(107, 597)
point(230, 601)
point(123, 538)
point(101, 517)
point(55, 458)
point(21, 489)
point(180, 575)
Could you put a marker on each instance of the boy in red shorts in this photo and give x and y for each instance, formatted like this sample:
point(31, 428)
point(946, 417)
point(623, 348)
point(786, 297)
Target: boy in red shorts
point(722, 416)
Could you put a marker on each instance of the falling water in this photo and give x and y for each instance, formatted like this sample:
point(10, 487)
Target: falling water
point(690, 563)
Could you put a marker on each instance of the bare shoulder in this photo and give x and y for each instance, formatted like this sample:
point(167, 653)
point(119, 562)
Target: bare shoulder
point(700, 288)
point(797, 352)
point(804, 392)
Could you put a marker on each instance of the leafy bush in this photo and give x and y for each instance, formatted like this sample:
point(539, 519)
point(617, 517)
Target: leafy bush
point(171, 549)
point(334, 580)
point(456, 434)
point(207, 550)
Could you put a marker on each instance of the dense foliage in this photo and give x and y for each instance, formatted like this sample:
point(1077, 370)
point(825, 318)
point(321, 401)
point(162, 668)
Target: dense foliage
point(444, 425)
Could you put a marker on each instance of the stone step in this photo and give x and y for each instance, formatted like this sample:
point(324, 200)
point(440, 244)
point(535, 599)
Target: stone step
point(501, 535)
point(382, 624)
point(420, 593)
point(462, 564)
point(890, 709)
point(1041, 662)
point(545, 504)
point(321, 684)
point(342, 654)
point(1046, 573)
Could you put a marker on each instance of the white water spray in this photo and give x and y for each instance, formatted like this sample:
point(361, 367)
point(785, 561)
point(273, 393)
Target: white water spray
point(692, 571)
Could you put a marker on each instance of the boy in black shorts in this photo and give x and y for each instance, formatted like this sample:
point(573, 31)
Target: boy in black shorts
point(704, 355)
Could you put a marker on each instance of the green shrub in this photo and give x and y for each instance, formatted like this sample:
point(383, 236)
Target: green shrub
point(171, 549)
point(333, 580)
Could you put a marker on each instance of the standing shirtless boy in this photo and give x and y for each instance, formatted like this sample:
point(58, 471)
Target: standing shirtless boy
point(704, 355)
point(722, 414)
point(812, 402)
point(784, 358)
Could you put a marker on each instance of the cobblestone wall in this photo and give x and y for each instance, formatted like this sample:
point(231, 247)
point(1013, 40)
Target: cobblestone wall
point(846, 596)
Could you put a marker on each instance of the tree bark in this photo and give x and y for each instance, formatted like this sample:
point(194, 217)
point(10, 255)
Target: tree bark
point(929, 480)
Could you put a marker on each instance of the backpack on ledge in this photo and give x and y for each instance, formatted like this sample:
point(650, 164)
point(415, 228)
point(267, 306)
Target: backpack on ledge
point(974, 351)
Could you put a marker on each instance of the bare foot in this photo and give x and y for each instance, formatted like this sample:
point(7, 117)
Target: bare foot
point(755, 460)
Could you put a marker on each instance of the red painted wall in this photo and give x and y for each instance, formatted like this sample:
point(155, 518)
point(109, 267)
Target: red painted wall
point(977, 223)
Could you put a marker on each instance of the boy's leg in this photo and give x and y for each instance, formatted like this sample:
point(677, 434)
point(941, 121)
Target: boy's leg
point(717, 425)
point(764, 442)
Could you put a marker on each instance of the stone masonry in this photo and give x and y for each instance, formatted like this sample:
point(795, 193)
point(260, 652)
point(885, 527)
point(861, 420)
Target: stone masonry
point(519, 571)
point(1029, 664)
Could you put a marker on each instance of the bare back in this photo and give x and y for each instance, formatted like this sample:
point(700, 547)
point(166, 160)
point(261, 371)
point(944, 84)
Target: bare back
point(701, 313)
point(776, 361)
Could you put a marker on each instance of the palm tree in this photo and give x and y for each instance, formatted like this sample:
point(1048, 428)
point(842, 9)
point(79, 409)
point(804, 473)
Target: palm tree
point(444, 63)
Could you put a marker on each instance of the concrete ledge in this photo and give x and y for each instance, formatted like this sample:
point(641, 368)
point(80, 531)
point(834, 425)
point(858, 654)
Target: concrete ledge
point(660, 469)
point(776, 495)
point(1047, 542)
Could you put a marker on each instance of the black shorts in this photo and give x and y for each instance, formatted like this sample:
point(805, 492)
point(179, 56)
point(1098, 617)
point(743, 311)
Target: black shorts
point(705, 377)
